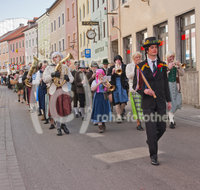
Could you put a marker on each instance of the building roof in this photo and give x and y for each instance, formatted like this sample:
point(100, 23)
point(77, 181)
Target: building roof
point(53, 5)
point(15, 34)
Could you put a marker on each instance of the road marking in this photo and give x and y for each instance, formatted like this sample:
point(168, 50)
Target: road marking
point(124, 155)
point(94, 135)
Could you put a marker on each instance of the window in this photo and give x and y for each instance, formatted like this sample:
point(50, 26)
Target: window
point(93, 5)
point(60, 46)
point(19, 44)
point(51, 27)
point(63, 19)
point(52, 47)
point(59, 22)
point(13, 47)
point(103, 1)
point(80, 14)
point(83, 38)
point(10, 47)
point(17, 59)
point(88, 6)
point(68, 40)
point(11, 60)
point(113, 4)
point(187, 39)
point(97, 4)
point(140, 36)
point(161, 33)
point(99, 35)
point(67, 14)
point(55, 47)
point(73, 10)
point(29, 43)
point(20, 59)
point(26, 43)
point(104, 29)
point(63, 44)
point(74, 37)
point(23, 43)
point(83, 11)
point(32, 42)
point(124, 1)
point(80, 40)
point(54, 25)
point(23, 59)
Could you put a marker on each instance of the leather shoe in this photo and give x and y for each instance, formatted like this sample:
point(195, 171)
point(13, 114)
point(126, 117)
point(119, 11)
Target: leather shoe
point(172, 126)
point(52, 126)
point(140, 128)
point(46, 121)
point(64, 128)
point(154, 161)
point(59, 132)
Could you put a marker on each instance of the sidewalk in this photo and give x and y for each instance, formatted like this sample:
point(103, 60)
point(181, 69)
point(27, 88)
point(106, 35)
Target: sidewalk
point(10, 176)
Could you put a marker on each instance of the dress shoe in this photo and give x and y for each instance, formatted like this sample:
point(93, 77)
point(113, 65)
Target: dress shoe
point(46, 121)
point(140, 128)
point(154, 161)
point(77, 115)
point(101, 128)
point(59, 132)
point(43, 118)
point(172, 126)
point(52, 126)
point(39, 114)
point(64, 128)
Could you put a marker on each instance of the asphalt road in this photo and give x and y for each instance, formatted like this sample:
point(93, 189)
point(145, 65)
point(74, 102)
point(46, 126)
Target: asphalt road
point(116, 160)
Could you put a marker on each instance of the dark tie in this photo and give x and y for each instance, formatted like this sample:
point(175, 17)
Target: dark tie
point(154, 66)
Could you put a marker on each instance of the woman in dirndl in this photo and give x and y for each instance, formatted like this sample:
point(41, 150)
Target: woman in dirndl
point(101, 111)
point(134, 96)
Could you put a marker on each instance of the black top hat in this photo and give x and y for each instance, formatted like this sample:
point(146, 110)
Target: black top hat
point(105, 62)
point(151, 41)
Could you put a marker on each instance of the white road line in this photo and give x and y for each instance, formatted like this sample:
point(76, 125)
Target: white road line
point(124, 155)
point(94, 135)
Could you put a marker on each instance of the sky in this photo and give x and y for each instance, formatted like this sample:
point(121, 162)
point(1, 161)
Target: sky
point(23, 8)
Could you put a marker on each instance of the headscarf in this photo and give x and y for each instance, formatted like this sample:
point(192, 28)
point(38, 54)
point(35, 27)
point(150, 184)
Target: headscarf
point(98, 72)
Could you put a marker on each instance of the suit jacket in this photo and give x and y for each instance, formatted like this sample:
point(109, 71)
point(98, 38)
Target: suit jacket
point(158, 83)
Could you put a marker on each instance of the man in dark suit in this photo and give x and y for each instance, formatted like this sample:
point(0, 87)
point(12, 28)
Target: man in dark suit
point(154, 109)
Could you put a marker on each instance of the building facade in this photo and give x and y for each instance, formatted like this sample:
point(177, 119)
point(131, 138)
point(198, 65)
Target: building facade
point(175, 25)
point(99, 45)
point(31, 41)
point(57, 18)
point(71, 18)
point(44, 47)
point(84, 14)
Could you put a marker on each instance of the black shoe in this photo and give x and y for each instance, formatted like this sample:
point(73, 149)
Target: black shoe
point(64, 128)
point(154, 161)
point(172, 126)
point(18, 100)
point(46, 121)
point(139, 128)
point(52, 126)
point(77, 115)
point(39, 114)
point(59, 132)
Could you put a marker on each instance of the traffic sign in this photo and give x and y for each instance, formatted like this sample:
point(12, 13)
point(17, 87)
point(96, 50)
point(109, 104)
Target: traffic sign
point(87, 53)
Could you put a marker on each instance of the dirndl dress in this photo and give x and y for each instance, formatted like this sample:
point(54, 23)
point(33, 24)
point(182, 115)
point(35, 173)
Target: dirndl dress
point(120, 94)
point(101, 110)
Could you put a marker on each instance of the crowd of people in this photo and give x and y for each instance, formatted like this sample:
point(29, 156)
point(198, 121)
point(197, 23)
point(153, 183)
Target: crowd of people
point(152, 86)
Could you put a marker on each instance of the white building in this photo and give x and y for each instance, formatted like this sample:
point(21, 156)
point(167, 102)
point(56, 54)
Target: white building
point(11, 24)
point(44, 37)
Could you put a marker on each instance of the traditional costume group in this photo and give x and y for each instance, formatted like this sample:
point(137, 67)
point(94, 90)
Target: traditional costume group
point(149, 84)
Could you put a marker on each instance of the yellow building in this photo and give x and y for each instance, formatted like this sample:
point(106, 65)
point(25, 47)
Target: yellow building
point(176, 23)
point(84, 14)
point(44, 37)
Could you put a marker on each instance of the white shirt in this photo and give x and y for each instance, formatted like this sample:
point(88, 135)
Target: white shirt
point(130, 72)
point(150, 63)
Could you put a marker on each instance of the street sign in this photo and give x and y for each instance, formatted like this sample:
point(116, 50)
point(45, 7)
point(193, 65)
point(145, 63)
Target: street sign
point(90, 23)
point(87, 53)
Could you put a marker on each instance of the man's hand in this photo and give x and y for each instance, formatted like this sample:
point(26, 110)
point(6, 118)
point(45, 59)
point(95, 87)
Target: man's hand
point(171, 65)
point(149, 92)
point(113, 71)
point(169, 106)
point(66, 78)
